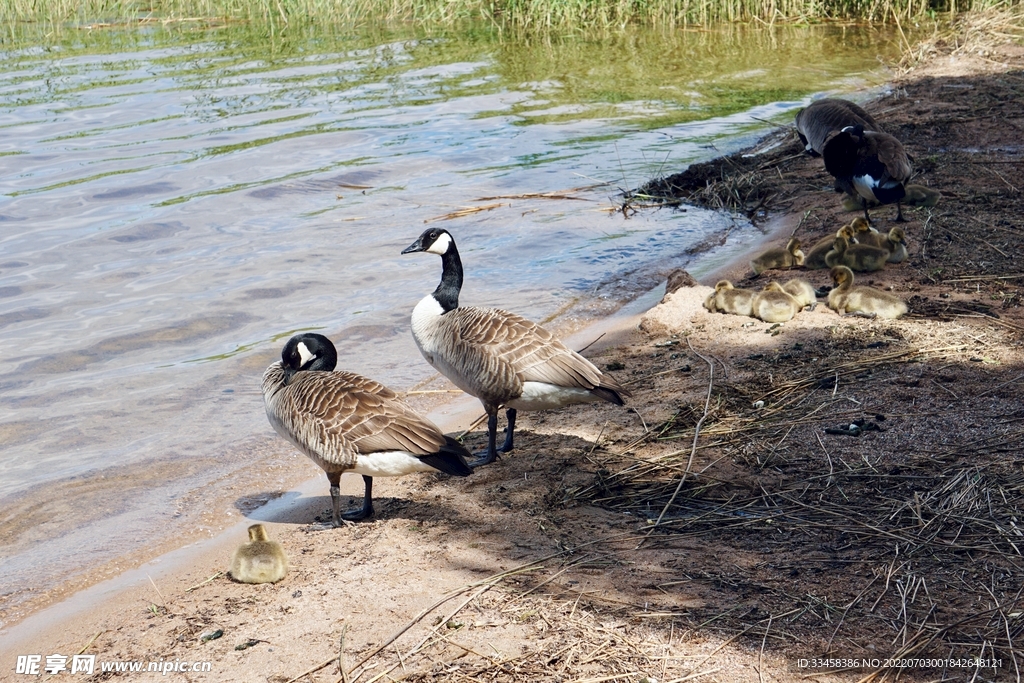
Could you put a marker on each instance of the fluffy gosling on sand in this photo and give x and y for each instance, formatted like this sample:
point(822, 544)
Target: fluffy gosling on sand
point(728, 299)
point(774, 304)
point(859, 257)
point(779, 258)
point(866, 301)
point(260, 560)
point(802, 291)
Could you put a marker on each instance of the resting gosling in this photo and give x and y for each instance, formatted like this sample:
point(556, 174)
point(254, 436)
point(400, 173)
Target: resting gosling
point(728, 299)
point(895, 242)
point(774, 304)
point(859, 257)
point(867, 301)
point(501, 358)
point(347, 423)
point(871, 165)
point(260, 560)
point(816, 123)
point(779, 258)
point(917, 195)
point(802, 291)
point(814, 259)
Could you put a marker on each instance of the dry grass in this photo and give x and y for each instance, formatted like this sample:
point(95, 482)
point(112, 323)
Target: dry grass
point(972, 33)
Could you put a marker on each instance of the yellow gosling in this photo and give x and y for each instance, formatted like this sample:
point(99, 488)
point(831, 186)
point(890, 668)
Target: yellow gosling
point(802, 291)
point(728, 299)
point(859, 257)
point(779, 258)
point(773, 304)
point(814, 259)
point(866, 301)
point(260, 560)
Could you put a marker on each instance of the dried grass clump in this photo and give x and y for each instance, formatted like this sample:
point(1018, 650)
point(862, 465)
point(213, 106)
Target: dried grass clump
point(979, 33)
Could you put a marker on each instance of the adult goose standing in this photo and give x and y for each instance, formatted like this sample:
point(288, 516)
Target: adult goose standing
point(816, 122)
point(501, 358)
point(347, 423)
point(870, 165)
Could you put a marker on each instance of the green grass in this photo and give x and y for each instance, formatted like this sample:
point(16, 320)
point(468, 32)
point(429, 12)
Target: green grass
point(534, 14)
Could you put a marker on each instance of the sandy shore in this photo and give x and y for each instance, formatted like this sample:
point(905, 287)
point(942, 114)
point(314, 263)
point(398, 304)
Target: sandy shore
point(540, 567)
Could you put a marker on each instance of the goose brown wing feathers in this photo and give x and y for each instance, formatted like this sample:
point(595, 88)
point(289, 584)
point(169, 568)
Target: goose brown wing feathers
point(339, 414)
point(893, 156)
point(524, 348)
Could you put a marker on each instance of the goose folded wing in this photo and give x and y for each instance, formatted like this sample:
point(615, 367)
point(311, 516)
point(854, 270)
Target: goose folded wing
point(351, 414)
point(532, 352)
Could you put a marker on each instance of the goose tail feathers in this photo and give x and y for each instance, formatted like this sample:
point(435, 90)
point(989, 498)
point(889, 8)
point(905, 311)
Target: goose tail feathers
point(450, 459)
point(614, 394)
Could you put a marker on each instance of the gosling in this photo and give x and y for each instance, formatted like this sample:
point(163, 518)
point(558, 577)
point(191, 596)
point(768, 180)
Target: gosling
point(859, 257)
point(260, 560)
point(802, 291)
point(779, 258)
point(895, 242)
point(917, 195)
point(814, 259)
point(774, 304)
point(866, 301)
point(728, 299)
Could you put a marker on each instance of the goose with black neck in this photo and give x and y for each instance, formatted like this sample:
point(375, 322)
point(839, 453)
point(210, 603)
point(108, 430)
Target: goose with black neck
point(345, 422)
point(499, 357)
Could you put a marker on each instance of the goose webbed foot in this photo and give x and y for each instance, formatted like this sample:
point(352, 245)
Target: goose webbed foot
point(354, 514)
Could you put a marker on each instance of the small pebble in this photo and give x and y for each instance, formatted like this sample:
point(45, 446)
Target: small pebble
point(211, 635)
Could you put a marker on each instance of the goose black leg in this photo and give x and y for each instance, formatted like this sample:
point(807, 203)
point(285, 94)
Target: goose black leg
point(510, 414)
point(357, 514)
point(899, 214)
point(492, 437)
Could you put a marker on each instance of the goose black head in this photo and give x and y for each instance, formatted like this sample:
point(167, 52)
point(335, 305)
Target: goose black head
point(433, 241)
point(308, 351)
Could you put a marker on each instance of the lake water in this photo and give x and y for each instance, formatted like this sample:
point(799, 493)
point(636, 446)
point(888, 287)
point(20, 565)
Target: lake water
point(176, 202)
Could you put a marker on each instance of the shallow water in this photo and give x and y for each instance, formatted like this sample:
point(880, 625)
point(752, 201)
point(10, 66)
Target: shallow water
point(176, 203)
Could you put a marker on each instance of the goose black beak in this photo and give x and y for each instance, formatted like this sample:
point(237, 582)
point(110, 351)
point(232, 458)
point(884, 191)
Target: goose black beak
point(414, 247)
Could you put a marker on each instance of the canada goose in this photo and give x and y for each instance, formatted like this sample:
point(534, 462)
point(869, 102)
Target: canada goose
point(779, 258)
point(871, 165)
point(347, 423)
point(501, 358)
point(774, 304)
point(846, 298)
point(728, 299)
point(860, 257)
point(895, 242)
point(802, 291)
point(260, 560)
point(821, 118)
point(814, 259)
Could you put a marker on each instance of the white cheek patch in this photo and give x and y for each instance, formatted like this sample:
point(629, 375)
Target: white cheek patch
point(440, 245)
point(304, 355)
